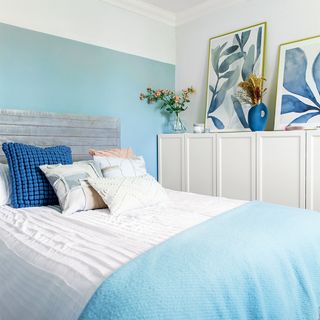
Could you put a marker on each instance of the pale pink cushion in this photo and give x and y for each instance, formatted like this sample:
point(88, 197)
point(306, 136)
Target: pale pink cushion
point(116, 153)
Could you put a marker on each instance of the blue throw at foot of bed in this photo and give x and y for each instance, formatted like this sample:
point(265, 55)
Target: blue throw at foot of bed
point(259, 261)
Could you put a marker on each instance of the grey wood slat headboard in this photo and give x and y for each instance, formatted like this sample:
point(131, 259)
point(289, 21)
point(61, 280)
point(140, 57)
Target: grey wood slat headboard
point(79, 132)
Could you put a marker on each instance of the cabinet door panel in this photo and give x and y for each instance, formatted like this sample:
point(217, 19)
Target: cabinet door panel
point(281, 168)
point(200, 164)
point(313, 170)
point(236, 165)
point(171, 161)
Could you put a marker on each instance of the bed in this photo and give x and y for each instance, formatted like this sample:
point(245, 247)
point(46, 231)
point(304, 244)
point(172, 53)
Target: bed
point(193, 257)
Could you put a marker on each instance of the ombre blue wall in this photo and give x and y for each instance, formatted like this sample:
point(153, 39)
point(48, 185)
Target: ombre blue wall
point(46, 73)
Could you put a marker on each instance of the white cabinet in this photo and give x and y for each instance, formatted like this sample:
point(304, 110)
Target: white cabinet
point(313, 170)
point(200, 163)
point(281, 167)
point(267, 166)
point(236, 165)
point(171, 161)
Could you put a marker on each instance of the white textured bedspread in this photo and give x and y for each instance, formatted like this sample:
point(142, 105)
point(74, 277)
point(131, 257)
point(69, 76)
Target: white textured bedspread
point(50, 264)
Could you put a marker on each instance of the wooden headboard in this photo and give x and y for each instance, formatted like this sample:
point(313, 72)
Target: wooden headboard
point(45, 129)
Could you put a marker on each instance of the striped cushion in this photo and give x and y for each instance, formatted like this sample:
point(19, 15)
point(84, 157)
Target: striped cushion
point(71, 186)
point(120, 167)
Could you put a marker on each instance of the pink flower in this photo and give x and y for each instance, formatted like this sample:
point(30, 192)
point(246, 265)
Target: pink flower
point(177, 98)
point(158, 93)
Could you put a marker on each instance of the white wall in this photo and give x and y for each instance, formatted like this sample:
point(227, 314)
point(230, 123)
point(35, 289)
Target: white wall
point(287, 20)
point(95, 22)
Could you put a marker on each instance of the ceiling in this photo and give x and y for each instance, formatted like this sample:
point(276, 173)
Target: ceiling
point(175, 6)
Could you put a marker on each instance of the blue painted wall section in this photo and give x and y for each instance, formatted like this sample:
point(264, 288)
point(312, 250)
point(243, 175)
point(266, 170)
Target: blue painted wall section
point(46, 73)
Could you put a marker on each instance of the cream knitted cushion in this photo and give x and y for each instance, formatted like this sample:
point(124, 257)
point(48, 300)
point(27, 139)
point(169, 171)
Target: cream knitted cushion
point(127, 193)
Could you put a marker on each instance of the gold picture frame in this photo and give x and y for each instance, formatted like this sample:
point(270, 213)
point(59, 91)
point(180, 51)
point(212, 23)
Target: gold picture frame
point(298, 88)
point(231, 57)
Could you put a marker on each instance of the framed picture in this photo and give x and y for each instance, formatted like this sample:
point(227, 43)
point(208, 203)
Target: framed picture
point(298, 89)
point(232, 58)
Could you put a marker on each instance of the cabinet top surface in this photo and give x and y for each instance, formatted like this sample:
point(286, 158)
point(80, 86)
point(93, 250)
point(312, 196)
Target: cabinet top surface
point(258, 133)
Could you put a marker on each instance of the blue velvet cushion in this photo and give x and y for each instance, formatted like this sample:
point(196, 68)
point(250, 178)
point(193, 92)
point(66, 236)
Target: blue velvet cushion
point(30, 188)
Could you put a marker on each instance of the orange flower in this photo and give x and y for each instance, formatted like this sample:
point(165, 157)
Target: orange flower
point(177, 98)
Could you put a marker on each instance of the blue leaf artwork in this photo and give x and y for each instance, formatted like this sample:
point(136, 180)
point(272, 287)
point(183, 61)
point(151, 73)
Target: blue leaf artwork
point(316, 71)
point(295, 74)
point(248, 64)
point(232, 59)
point(259, 44)
point(293, 104)
point(239, 110)
point(305, 118)
point(300, 95)
point(225, 65)
point(217, 122)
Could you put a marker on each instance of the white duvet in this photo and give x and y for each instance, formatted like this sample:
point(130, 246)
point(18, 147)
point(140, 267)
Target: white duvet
point(50, 264)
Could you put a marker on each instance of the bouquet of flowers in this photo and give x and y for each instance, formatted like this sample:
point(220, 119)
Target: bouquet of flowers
point(252, 90)
point(171, 101)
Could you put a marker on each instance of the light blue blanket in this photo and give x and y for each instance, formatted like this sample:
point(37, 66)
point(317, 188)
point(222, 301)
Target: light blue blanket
point(259, 261)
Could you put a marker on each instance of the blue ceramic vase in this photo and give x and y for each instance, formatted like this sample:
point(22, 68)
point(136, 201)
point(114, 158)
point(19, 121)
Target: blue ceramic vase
point(258, 117)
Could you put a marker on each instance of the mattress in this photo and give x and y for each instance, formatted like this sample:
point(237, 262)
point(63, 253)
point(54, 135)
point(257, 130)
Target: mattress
point(52, 264)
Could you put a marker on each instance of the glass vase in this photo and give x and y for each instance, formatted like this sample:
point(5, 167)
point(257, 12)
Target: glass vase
point(177, 125)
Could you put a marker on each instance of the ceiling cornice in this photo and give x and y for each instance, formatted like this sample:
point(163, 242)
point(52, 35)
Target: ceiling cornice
point(146, 9)
point(168, 17)
point(202, 9)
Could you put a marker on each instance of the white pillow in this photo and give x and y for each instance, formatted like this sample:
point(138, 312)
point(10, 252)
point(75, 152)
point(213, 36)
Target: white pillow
point(5, 185)
point(71, 187)
point(122, 194)
point(121, 167)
